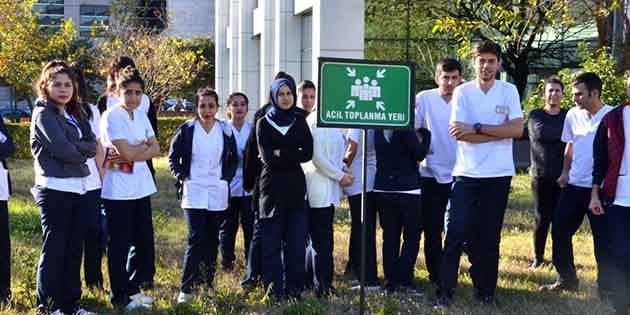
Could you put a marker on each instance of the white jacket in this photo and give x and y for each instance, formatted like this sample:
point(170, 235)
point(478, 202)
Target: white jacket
point(324, 171)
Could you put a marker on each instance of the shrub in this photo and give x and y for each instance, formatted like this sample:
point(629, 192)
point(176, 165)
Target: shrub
point(600, 62)
point(20, 133)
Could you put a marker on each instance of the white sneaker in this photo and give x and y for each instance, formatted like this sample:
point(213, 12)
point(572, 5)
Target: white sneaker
point(143, 299)
point(58, 312)
point(184, 297)
point(135, 305)
point(83, 312)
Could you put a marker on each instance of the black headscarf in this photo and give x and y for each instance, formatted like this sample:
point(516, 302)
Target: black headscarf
point(282, 117)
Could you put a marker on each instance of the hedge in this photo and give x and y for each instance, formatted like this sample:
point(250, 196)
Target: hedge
point(20, 134)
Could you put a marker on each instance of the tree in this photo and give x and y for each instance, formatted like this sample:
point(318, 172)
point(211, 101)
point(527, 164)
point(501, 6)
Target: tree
point(401, 30)
point(25, 47)
point(529, 31)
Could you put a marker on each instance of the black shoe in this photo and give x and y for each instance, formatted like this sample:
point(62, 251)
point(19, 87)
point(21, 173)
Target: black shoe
point(487, 300)
point(443, 302)
point(536, 264)
point(559, 286)
point(411, 290)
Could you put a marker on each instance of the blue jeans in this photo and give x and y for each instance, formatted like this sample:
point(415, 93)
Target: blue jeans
point(399, 214)
point(203, 240)
point(284, 235)
point(476, 218)
point(130, 224)
point(572, 207)
point(63, 229)
point(240, 207)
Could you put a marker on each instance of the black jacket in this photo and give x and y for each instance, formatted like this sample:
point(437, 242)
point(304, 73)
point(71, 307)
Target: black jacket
point(397, 160)
point(282, 183)
point(180, 153)
point(55, 144)
point(7, 148)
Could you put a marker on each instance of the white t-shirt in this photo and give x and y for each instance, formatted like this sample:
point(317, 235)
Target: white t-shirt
point(236, 185)
point(205, 189)
point(622, 195)
point(471, 105)
point(580, 129)
point(113, 100)
point(94, 179)
point(117, 125)
point(356, 135)
point(433, 113)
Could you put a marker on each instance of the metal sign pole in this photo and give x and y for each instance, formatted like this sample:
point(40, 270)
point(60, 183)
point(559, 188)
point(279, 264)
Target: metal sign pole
point(363, 228)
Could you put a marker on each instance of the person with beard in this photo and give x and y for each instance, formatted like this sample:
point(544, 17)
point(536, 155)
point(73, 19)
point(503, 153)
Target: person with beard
point(576, 180)
point(486, 115)
point(284, 142)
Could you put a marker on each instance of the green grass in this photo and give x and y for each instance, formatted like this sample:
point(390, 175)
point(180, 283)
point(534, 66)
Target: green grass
point(516, 294)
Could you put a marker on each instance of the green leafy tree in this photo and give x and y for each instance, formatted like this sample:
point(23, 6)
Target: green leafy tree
point(25, 47)
point(599, 61)
point(529, 31)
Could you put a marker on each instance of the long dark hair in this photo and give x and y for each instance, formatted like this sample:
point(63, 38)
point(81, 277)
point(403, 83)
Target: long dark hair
point(50, 70)
point(81, 88)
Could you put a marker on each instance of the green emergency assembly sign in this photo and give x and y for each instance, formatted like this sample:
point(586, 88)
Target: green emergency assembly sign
point(365, 94)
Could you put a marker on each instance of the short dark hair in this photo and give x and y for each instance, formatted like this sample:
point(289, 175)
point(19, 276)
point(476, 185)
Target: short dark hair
point(115, 66)
point(128, 75)
point(206, 91)
point(554, 80)
point(590, 80)
point(235, 94)
point(306, 84)
point(487, 47)
point(448, 65)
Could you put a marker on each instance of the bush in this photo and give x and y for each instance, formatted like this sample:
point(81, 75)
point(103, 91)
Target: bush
point(600, 62)
point(20, 133)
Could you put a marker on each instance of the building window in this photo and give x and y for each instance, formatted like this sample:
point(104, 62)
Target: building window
point(94, 20)
point(50, 14)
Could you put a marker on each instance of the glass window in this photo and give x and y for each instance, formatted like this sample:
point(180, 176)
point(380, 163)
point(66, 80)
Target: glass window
point(48, 8)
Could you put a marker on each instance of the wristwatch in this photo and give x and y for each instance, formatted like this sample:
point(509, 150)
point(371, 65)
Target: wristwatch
point(477, 128)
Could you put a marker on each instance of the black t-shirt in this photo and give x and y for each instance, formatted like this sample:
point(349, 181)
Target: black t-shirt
point(546, 148)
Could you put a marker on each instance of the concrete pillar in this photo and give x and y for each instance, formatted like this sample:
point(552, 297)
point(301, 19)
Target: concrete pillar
point(248, 54)
point(221, 53)
point(288, 39)
point(267, 45)
point(233, 37)
point(338, 30)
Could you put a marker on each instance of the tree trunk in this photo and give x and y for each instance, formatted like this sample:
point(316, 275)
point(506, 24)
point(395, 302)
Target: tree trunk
point(521, 71)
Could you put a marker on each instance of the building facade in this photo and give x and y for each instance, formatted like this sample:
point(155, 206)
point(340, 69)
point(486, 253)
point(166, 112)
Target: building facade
point(254, 39)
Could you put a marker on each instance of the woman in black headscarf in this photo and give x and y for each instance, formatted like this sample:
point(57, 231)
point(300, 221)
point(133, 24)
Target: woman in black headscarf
point(284, 141)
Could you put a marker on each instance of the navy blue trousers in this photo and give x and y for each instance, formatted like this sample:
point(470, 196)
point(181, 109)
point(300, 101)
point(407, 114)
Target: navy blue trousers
point(354, 250)
point(476, 218)
point(5, 252)
point(130, 224)
point(240, 208)
point(63, 230)
point(93, 246)
point(203, 241)
point(284, 236)
point(434, 200)
point(399, 214)
point(322, 238)
point(618, 218)
point(572, 207)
